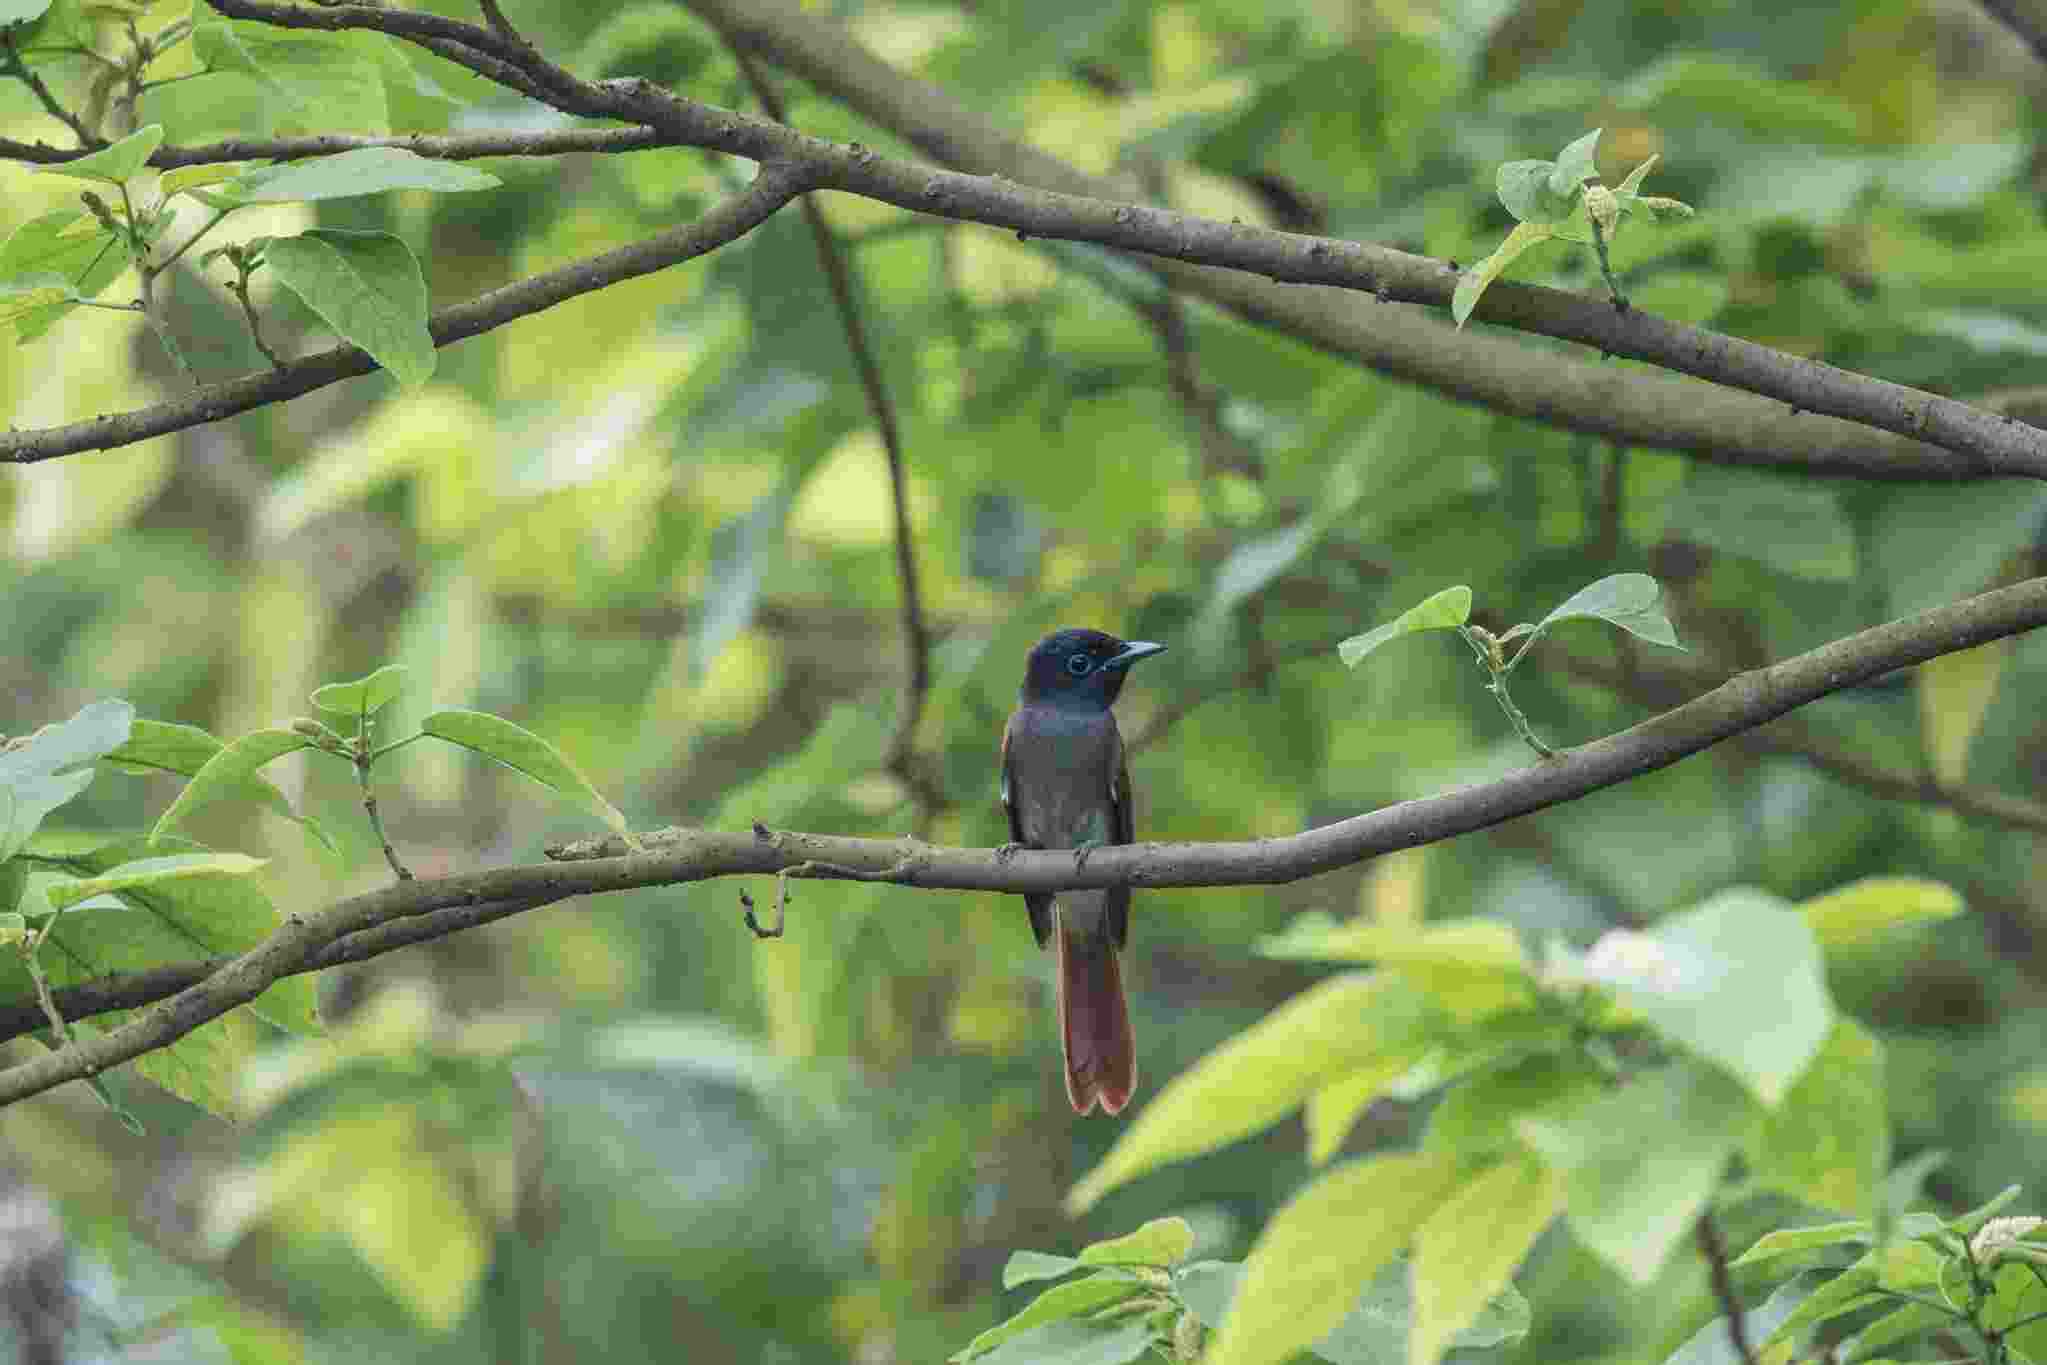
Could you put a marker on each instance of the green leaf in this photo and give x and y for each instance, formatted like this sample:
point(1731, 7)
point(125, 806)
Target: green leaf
point(163, 746)
point(1902, 1188)
point(1970, 1223)
point(1869, 911)
point(1027, 1266)
point(1465, 1254)
point(1375, 1330)
point(1738, 981)
point(1340, 1026)
point(521, 749)
point(1828, 1143)
point(1632, 601)
point(21, 11)
point(1576, 164)
point(1078, 1299)
point(217, 916)
point(1908, 1266)
point(1318, 1251)
point(1472, 967)
point(150, 872)
point(1445, 610)
point(1163, 1242)
point(198, 177)
point(1907, 1322)
point(368, 287)
point(50, 767)
point(363, 697)
point(364, 170)
point(1472, 284)
point(1524, 189)
point(1640, 1163)
point(1256, 562)
point(45, 249)
point(310, 81)
point(115, 164)
point(1799, 1243)
point(227, 772)
point(1072, 1341)
point(1711, 1345)
point(1474, 1121)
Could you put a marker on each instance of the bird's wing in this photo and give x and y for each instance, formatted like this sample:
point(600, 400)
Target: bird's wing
point(1039, 906)
point(1122, 830)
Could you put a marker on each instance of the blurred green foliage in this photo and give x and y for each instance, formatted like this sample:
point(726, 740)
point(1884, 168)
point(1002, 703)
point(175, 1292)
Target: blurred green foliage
point(652, 525)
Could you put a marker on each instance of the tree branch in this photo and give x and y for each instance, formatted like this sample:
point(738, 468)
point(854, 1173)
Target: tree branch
point(1715, 1252)
point(2031, 27)
point(679, 856)
point(901, 757)
point(449, 147)
point(822, 53)
point(726, 221)
point(1488, 370)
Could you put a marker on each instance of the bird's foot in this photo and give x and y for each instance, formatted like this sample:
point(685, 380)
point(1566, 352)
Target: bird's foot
point(1082, 850)
point(1004, 852)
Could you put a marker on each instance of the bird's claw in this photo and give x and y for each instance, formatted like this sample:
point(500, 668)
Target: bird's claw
point(1081, 852)
point(1004, 852)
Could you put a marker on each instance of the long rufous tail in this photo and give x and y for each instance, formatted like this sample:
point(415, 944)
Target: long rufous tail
point(1094, 1023)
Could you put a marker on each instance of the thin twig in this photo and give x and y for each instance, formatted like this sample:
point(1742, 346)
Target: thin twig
point(361, 755)
point(11, 64)
point(44, 1001)
point(2031, 31)
point(724, 222)
point(1715, 1253)
point(499, 24)
point(901, 758)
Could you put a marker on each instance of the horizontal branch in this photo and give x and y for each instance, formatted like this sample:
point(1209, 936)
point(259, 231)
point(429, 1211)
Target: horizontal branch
point(725, 221)
point(681, 856)
point(440, 147)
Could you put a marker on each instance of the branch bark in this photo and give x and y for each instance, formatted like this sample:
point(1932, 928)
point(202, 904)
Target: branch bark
point(1487, 370)
point(680, 856)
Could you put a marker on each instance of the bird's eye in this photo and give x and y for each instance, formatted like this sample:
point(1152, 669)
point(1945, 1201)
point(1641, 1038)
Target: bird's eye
point(1080, 665)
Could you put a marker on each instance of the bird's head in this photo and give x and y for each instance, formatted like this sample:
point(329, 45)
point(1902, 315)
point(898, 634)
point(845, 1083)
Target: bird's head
point(1081, 667)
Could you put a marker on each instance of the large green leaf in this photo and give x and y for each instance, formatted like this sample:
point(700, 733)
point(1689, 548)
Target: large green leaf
point(1465, 1254)
point(1078, 1299)
point(1319, 1251)
point(368, 287)
point(523, 751)
point(111, 165)
point(1739, 981)
point(1828, 1143)
point(47, 249)
point(1343, 1025)
point(44, 770)
point(1639, 1163)
point(344, 175)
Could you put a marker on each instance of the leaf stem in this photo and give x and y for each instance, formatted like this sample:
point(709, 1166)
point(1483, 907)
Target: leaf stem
point(362, 756)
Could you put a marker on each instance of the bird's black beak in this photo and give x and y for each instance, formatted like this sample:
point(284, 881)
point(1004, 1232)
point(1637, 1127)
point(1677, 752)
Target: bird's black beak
point(1133, 650)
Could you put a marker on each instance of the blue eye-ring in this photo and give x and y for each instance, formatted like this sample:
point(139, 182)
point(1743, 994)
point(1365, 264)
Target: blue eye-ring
point(1080, 665)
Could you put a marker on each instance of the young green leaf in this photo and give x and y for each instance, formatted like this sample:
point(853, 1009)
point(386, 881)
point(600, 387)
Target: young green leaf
point(1329, 1240)
point(1523, 187)
point(1079, 1299)
point(198, 177)
point(227, 772)
point(364, 696)
point(1797, 1245)
point(1473, 967)
point(1912, 1267)
point(1162, 1242)
point(1465, 1254)
point(1078, 1341)
point(364, 170)
point(521, 749)
point(1445, 610)
point(1024, 1267)
point(50, 767)
point(163, 746)
point(1632, 601)
point(1712, 1345)
point(1576, 164)
point(368, 287)
point(149, 872)
point(50, 247)
point(1341, 1026)
point(1472, 284)
point(114, 164)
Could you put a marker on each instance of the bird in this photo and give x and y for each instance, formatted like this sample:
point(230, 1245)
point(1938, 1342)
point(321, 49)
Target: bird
point(1065, 785)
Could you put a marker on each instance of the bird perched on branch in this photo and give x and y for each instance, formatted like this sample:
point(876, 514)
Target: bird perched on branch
point(1064, 785)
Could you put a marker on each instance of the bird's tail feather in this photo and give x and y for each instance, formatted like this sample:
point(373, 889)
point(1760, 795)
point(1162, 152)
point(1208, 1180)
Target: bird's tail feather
point(1094, 1023)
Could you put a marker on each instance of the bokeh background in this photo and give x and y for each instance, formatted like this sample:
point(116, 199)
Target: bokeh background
point(653, 525)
